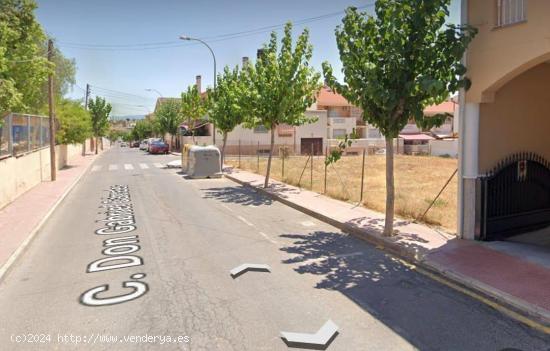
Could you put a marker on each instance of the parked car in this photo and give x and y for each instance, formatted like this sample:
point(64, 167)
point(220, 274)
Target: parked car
point(150, 141)
point(144, 145)
point(123, 144)
point(134, 143)
point(158, 147)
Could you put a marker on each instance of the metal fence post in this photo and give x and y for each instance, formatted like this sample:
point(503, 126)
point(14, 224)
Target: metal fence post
point(28, 133)
point(326, 155)
point(10, 134)
point(362, 178)
point(311, 169)
point(283, 165)
point(41, 133)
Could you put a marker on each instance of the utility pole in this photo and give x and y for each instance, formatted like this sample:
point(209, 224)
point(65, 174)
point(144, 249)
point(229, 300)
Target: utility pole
point(86, 108)
point(52, 114)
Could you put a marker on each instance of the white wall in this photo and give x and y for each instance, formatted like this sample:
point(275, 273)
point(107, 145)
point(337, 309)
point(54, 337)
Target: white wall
point(444, 147)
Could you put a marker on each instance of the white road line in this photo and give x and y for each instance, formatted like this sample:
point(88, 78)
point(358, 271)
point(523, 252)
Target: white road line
point(324, 258)
point(143, 166)
point(268, 238)
point(308, 224)
point(158, 165)
point(245, 221)
point(113, 167)
point(227, 207)
point(96, 168)
point(128, 166)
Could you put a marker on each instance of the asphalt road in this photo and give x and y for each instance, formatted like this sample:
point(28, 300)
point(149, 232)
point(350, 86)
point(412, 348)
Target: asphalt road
point(191, 233)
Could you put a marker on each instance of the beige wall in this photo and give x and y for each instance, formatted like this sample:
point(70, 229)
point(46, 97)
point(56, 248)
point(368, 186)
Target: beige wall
point(20, 174)
point(497, 55)
point(518, 119)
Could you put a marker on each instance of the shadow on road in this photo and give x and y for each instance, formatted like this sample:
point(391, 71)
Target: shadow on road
point(237, 194)
point(426, 313)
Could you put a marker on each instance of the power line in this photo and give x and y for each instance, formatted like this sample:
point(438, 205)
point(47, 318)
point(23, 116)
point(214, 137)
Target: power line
point(118, 92)
point(212, 39)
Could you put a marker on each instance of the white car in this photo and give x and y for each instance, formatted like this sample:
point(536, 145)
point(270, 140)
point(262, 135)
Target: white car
point(144, 145)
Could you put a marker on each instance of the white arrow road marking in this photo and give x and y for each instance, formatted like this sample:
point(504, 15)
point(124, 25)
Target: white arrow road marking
point(128, 166)
point(321, 338)
point(96, 168)
point(143, 166)
point(158, 165)
point(245, 221)
point(113, 167)
point(243, 268)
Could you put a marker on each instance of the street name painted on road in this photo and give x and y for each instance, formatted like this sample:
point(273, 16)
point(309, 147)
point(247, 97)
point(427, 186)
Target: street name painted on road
point(119, 251)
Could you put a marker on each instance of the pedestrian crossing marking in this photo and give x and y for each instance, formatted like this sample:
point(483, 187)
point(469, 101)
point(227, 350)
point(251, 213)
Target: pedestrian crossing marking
point(128, 166)
point(158, 165)
point(96, 168)
point(143, 166)
point(113, 167)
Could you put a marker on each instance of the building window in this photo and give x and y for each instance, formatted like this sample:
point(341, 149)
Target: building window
point(338, 120)
point(338, 133)
point(260, 129)
point(510, 12)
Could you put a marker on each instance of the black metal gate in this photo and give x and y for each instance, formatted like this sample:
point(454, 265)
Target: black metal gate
point(514, 197)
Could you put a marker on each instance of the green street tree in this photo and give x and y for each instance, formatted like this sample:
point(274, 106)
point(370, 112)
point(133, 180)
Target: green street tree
point(168, 119)
point(193, 107)
point(395, 64)
point(143, 129)
point(226, 103)
point(75, 123)
point(24, 67)
point(99, 112)
point(281, 86)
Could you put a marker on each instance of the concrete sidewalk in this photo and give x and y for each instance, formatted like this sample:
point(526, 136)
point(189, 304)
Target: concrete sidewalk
point(22, 218)
point(513, 281)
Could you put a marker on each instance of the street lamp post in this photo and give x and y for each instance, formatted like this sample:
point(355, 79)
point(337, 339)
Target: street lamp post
point(155, 90)
point(183, 37)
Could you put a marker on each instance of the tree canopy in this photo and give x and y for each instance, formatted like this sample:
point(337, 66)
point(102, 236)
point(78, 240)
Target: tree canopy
point(281, 85)
point(75, 123)
point(168, 118)
point(193, 106)
point(226, 103)
point(24, 66)
point(396, 63)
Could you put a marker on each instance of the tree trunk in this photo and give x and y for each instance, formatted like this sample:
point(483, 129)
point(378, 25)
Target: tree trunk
point(223, 148)
point(92, 146)
point(84, 148)
point(96, 144)
point(266, 182)
point(390, 189)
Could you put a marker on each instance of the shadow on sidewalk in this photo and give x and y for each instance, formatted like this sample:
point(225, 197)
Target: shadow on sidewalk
point(427, 314)
point(237, 194)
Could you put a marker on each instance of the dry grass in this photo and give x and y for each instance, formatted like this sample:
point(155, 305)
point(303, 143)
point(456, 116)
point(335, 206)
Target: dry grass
point(418, 179)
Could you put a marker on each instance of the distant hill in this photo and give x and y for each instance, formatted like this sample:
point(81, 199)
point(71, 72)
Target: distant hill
point(130, 117)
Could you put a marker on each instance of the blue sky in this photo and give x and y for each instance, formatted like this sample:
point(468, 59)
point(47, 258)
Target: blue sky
point(105, 37)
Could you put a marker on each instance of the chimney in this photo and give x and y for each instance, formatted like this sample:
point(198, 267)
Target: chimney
point(259, 53)
point(245, 61)
point(198, 83)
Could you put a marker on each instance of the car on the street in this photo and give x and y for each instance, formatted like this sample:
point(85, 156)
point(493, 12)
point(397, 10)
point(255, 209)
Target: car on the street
point(123, 144)
point(150, 141)
point(158, 147)
point(144, 145)
point(134, 143)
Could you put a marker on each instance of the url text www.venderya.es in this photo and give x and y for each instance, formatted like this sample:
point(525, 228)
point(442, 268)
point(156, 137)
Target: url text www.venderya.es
point(100, 339)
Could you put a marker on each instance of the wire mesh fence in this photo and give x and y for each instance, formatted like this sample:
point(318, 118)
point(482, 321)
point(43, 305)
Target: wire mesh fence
point(20, 133)
point(418, 180)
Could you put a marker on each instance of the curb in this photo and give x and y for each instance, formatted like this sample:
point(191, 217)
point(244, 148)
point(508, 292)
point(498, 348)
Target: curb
point(5, 268)
point(513, 307)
